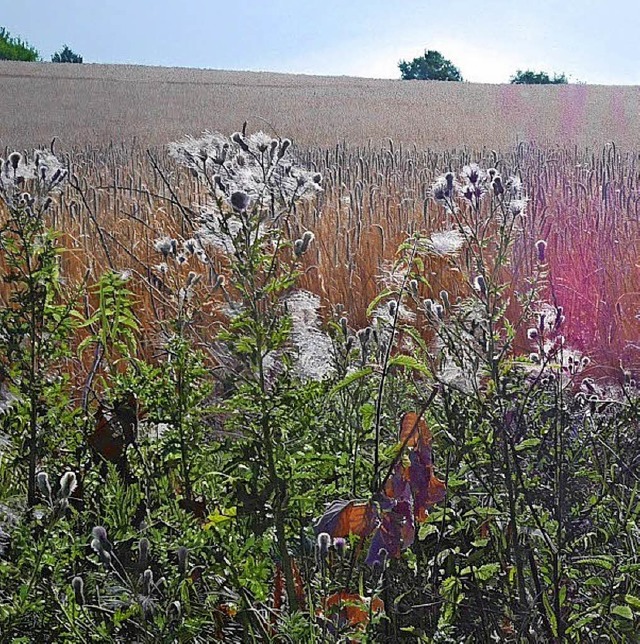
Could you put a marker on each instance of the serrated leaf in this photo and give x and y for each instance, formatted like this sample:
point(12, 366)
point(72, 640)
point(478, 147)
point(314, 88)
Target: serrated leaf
point(409, 362)
point(632, 600)
point(600, 562)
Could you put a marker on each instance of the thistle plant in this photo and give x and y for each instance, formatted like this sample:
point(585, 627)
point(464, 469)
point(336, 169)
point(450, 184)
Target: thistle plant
point(35, 321)
point(255, 188)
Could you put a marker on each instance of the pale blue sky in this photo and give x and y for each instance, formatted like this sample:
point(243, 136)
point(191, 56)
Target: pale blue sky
point(594, 41)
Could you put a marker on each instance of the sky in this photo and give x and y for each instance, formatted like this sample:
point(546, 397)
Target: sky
point(591, 41)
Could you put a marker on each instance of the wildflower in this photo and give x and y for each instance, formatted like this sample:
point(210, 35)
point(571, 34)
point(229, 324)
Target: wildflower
point(532, 334)
point(14, 159)
point(445, 243)
point(340, 544)
point(101, 545)
point(164, 245)
point(443, 188)
point(472, 173)
point(301, 246)
point(498, 187)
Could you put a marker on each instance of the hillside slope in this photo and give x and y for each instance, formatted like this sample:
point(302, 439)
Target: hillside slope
point(96, 104)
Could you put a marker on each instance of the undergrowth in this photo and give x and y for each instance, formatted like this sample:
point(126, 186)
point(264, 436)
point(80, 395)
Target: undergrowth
point(243, 472)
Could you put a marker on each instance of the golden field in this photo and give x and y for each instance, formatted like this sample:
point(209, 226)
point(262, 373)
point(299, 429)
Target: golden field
point(379, 144)
point(97, 104)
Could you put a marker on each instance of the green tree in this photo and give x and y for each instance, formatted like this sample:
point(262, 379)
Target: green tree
point(530, 77)
point(66, 55)
point(430, 66)
point(13, 48)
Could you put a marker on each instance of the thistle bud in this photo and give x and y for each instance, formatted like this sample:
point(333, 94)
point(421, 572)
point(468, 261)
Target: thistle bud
point(541, 248)
point(284, 146)
point(147, 581)
point(100, 542)
point(240, 201)
point(480, 285)
point(343, 326)
point(42, 482)
point(78, 590)
point(143, 553)
point(68, 485)
point(236, 137)
point(219, 283)
point(324, 541)
point(14, 159)
point(183, 560)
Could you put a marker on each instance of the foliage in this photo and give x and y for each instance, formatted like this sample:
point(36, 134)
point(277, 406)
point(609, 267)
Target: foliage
point(13, 48)
point(530, 77)
point(240, 471)
point(432, 65)
point(66, 55)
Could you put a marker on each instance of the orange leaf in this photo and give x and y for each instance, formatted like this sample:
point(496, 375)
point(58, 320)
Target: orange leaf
point(413, 428)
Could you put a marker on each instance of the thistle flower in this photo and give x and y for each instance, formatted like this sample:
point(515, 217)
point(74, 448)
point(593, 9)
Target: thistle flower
point(101, 545)
point(340, 544)
point(472, 173)
point(497, 185)
point(343, 325)
point(147, 581)
point(301, 246)
point(165, 245)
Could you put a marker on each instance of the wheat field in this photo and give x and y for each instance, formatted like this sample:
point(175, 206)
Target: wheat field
point(97, 104)
point(379, 145)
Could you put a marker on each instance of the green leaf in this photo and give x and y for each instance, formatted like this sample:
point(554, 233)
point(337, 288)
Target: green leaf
point(376, 300)
point(601, 562)
point(622, 611)
point(351, 378)
point(527, 443)
point(409, 362)
point(482, 573)
point(426, 529)
point(632, 600)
